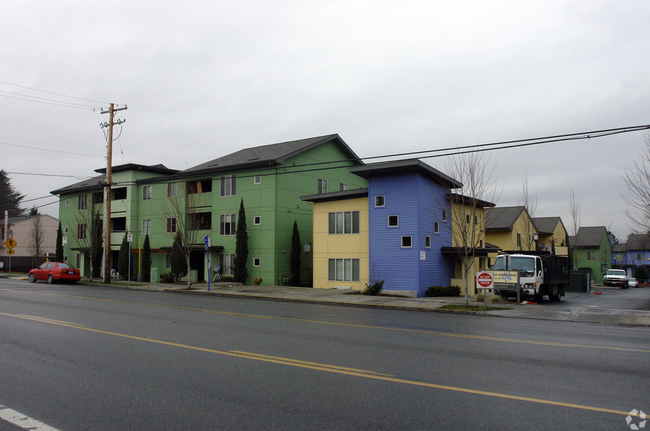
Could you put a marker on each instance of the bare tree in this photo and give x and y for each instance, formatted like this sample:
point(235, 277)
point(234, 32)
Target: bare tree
point(184, 220)
point(467, 216)
point(574, 209)
point(36, 237)
point(528, 201)
point(637, 179)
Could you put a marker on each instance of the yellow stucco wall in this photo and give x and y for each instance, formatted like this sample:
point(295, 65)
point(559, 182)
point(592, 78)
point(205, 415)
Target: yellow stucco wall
point(350, 246)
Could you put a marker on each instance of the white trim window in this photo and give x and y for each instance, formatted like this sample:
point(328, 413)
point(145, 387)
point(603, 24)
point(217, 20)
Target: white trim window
point(380, 201)
point(172, 190)
point(171, 224)
point(81, 230)
point(146, 192)
point(228, 185)
point(257, 220)
point(343, 270)
point(83, 202)
point(257, 179)
point(146, 226)
point(436, 227)
point(407, 241)
point(227, 262)
point(341, 223)
point(393, 221)
point(227, 224)
point(322, 185)
point(257, 262)
point(427, 241)
point(343, 187)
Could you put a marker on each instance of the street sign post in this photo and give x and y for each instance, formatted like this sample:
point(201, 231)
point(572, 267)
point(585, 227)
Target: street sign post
point(11, 243)
point(208, 243)
point(484, 280)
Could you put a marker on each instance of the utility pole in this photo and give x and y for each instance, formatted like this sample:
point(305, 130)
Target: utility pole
point(107, 190)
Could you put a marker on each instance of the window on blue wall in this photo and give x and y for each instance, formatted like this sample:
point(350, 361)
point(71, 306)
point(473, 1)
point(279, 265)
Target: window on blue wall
point(427, 241)
point(436, 227)
point(343, 270)
point(444, 215)
point(407, 242)
point(380, 200)
point(393, 221)
point(342, 223)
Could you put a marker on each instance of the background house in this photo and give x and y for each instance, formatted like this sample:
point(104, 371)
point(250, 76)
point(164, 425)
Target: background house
point(553, 236)
point(27, 253)
point(591, 250)
point(634, 254)
point(510, 229)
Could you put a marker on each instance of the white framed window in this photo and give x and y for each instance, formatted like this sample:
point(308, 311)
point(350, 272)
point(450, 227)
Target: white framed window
point(427, 241)
point(257, 262)
point(393, 221)
point(380, 201)
point(444, 215)
point(171, 224)
point(146, 226)
point(343, 270)
point(257, 220)
point(343, 187)
point(407, 242)
point(227, 224)
point(172, 190)
point(344, 222)
point(146, 192)
point(227, 262)
point(257, 179)
point(436, 227)
point(81, 230)
point(322, 185)
point(83, 202)
point(67, 201)
point(228, 185)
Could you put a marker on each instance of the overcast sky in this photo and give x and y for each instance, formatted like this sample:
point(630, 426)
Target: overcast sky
point(203, 79)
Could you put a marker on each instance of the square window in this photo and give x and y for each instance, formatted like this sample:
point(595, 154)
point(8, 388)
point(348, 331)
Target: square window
point(257, 179)
point(343, 186)
point(257, 261)
point(407, 242)
point(257, 220)
point(393, 221)
point(380, 201)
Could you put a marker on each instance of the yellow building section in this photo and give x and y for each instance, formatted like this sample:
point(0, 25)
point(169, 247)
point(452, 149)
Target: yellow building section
point(337, 255)
point(519, 238)
point(468, 228)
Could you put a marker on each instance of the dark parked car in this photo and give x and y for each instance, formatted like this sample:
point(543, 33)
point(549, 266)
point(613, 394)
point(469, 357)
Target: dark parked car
point(55, 271)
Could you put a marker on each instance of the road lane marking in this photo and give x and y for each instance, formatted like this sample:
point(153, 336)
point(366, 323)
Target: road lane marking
point(352, 325)
point(22, 421)
point(325, 367)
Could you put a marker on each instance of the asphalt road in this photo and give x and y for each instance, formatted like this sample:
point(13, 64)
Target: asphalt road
point(610, 297)
point(82, 357)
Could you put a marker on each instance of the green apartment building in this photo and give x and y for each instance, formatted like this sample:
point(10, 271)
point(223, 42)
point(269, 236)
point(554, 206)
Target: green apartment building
point(204, 201)
point(592, 251)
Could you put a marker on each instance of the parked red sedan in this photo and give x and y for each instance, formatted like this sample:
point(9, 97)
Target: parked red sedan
point(54, 271)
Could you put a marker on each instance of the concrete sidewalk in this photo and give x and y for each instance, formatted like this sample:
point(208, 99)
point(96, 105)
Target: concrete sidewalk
point(355, 298)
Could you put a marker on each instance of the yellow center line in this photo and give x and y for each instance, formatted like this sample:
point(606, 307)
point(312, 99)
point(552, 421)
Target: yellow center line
point(325, 367)
point(352, 325)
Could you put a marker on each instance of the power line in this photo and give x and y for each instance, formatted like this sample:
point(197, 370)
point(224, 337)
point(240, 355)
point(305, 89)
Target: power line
point(45, 101)
point(51, 92)
point(47, 175)
point(50, 150)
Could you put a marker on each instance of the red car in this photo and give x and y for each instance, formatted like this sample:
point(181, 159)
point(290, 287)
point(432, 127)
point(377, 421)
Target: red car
point(54, 271)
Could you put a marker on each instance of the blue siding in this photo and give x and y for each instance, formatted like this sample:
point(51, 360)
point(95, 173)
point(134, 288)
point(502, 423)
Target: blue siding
point(418, 202)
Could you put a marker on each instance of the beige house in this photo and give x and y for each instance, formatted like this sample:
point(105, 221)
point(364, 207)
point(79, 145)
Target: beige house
point(511, 229)
point(22, 231)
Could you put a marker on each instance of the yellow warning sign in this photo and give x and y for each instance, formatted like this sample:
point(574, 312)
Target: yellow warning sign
point(11, 243)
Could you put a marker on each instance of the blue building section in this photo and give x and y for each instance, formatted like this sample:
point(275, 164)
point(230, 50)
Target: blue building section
point(409, 223)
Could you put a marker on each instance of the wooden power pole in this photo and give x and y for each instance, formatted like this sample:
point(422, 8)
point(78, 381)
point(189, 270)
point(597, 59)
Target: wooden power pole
point(107, 190)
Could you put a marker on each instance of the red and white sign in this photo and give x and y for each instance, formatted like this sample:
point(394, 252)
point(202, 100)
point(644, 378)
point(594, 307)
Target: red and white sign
point(484, 280)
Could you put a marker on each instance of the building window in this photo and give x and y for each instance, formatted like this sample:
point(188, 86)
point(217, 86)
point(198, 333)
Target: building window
point(146, 193)
point(322, 185)
point(344, 222)
point(65, 229)
point(227, 262)
point(257, 179)
point(83, 202)
point(228, 185)
point(227, 224)
point(200, 221)
point(67, 201)
point(436, 227)
point(171, 225)
point(81, 231)
point(518, 239)
point(380, 201)
point(639, 257)
point(407, 242)
point(467, 219)
point(98, 198)
point(257, 261)
point(119, 194)
point(199, 186)
point(343, 270)
point(146, 226)
point(393, 221)
point(592, 256)
point(257, 220)
point(427, 241)
point(444, 215)
point(171, 190)
point(343, 187)
point(168, 261)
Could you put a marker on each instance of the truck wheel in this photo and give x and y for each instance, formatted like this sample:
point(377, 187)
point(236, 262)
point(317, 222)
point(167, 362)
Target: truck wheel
point(539, 298)
point(558, 297)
